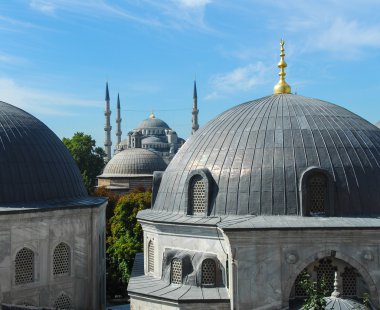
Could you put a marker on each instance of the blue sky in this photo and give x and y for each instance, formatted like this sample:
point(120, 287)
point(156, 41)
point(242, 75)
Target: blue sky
point(56, 56)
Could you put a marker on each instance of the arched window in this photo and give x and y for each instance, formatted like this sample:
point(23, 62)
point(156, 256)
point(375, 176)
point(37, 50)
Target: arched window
point(61, 259)
point(197, 196)
point(349, 282)
point(150, 256)
point(326, 271)
point(299, 291)
point(63, 302)
point(317, 189)
point(176, 271)
point(208, 272)
point(24, 266)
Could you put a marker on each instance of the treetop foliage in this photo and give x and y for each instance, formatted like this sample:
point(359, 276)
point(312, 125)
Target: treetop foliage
point(89, 158)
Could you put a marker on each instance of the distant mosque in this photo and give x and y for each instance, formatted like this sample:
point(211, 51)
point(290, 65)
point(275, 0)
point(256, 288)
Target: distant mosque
point(148, 148)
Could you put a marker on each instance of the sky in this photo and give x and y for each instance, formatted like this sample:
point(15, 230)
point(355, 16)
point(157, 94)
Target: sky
point(57, 55)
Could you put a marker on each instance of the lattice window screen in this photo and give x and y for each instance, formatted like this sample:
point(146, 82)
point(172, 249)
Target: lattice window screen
point(327, 270)
point(150, 256)
point(61, 259)
point(298, 289)
point(208, 272)
point(63, 302)
point(197, 195)
point(349, 282)
point(176, 271)
point(317, 192)
point(24, 266)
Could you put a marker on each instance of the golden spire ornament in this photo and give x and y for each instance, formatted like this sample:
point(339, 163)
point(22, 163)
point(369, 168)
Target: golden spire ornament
point(282, 87)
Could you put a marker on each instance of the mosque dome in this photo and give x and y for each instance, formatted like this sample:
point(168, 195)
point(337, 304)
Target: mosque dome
point(258, 153)
point(34, 163)
point(133, 161)
point(151, 140)
point(153, 122)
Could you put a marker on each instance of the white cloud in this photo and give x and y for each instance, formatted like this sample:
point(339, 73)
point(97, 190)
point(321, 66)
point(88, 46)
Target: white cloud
point(194, 3)
point(239, 79)
point(11, 59)
point(43, 6)
point(39, 101)
point(172, 14)
point(350, 36)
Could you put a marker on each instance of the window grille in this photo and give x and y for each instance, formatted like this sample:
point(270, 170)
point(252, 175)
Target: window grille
point(208, 272)
point(349, 282)
point(326, 270)
point(298, 289)
point(176, 271)
point(197, 196)
point(317, 192)
point(24, 266)
point(61, 259)
point(63, 302)
point(150, 256)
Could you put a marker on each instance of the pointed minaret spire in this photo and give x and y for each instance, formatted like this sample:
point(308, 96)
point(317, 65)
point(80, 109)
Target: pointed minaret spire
point(107, 127)
point(195, 111)
point(118, 122)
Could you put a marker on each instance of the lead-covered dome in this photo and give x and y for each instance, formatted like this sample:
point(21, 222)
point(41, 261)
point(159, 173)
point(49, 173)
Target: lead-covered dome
point(258, 152)
point(133, 162)
point(34, 163)
point(153, 122)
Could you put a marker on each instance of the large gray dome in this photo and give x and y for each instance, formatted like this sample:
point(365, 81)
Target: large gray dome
point(153, 122)
point(257, 151)
point(34, 163)
point(133, 162)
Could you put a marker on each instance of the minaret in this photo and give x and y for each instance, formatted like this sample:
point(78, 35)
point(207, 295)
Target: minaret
point(118, 122)
point(195, 111)
point(107, 127)
point(282, 87)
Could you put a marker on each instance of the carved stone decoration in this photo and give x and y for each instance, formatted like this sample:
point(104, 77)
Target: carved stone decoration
point(291, 258)
point(367, 255)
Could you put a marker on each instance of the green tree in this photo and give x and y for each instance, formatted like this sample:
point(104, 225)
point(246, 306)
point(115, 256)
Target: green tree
point(315, 292)
point(125, 239)
point(90, 159)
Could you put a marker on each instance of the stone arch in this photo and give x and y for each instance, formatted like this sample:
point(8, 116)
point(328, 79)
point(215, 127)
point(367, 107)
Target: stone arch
point(302, 264)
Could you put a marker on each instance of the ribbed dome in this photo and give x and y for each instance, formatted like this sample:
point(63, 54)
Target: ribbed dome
point(132, 162)
point(257, 151)
point(34, 163)
point(152, 123)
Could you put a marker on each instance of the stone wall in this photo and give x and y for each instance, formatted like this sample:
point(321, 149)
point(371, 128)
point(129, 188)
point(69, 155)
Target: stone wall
point(266, 263)
point(81, 229)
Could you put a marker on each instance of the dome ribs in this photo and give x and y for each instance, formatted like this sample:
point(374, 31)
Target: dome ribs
point(28, 144)
point(257, 152)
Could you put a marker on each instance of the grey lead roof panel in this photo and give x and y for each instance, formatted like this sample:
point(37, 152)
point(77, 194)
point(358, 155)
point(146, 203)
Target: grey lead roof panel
point(154, 287)
point(134, 161)
point(34, 163)
point(262, 147)
point(252, 222)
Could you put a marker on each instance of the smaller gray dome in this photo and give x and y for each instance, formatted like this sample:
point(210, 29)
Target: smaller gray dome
point(150, 140)
point(133, 162)
point(333, 303)
point(153, 123)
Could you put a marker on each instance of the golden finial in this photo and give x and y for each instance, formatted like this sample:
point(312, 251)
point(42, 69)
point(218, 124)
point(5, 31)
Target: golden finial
point(152, 115)
point(282, 87)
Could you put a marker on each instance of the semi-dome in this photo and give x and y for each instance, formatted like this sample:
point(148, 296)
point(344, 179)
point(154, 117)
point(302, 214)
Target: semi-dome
point(258, 152)
point(34, 163)
point(153, 122)
point(132, 162)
